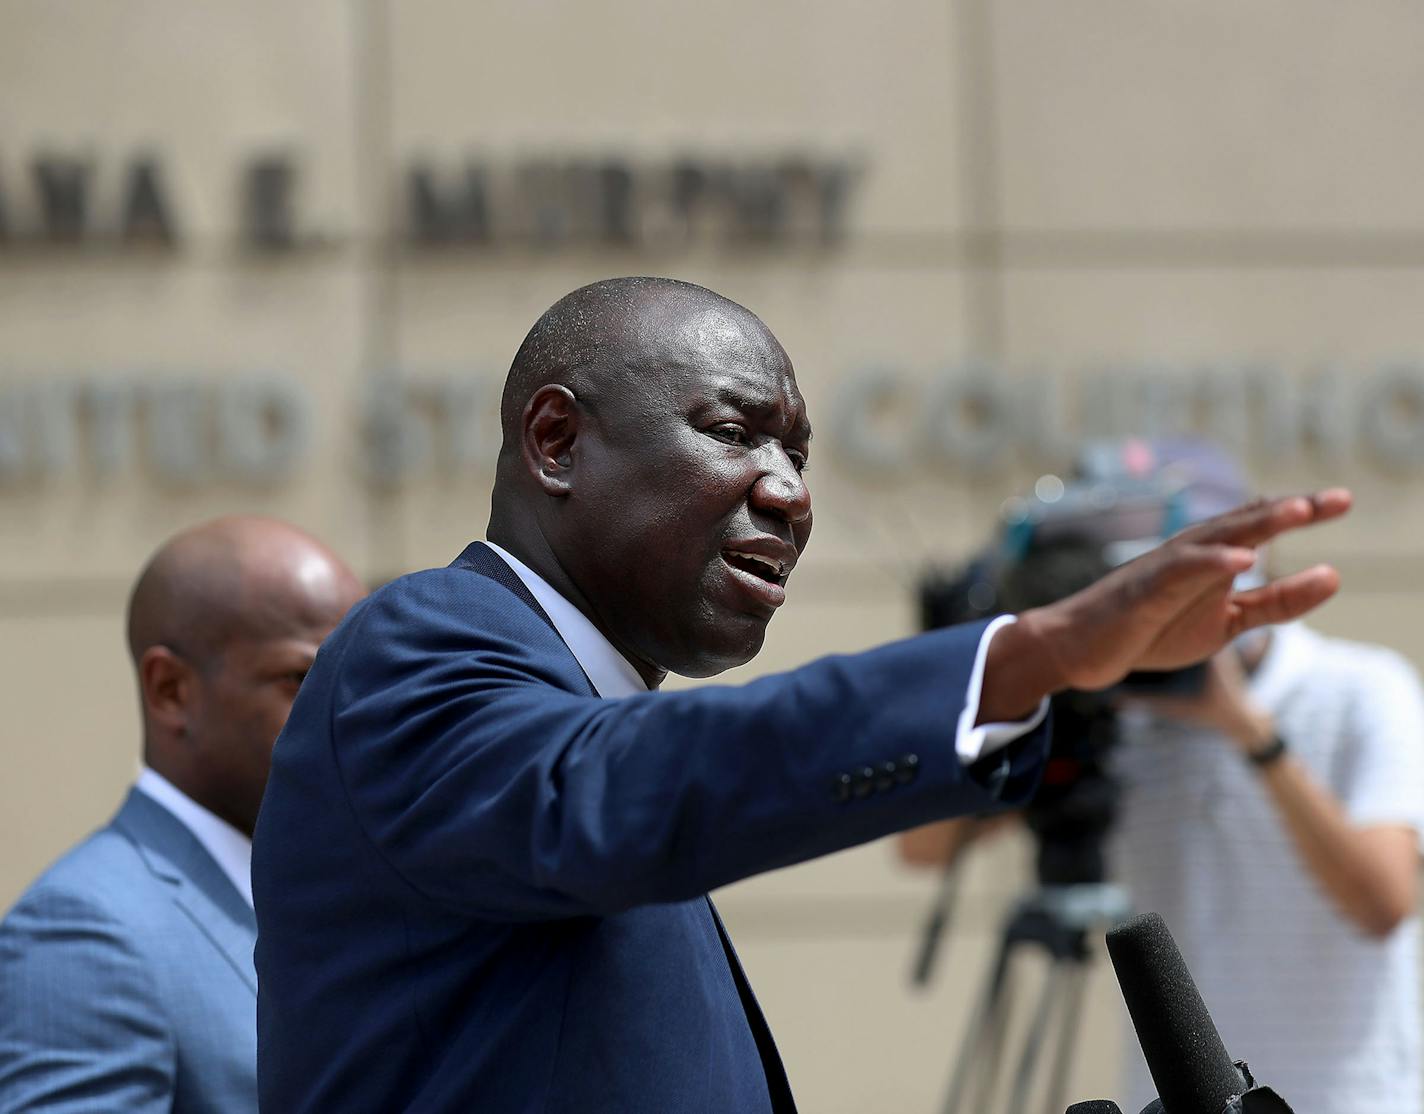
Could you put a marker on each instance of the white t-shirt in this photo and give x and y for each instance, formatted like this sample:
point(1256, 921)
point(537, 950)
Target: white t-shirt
point(1324, 1014)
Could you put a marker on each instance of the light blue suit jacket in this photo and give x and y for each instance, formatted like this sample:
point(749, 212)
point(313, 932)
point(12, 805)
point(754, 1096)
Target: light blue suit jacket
point(126, 978)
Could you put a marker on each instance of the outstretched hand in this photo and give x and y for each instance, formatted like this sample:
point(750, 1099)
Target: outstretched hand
point(1177, 604)
point(1169, 608)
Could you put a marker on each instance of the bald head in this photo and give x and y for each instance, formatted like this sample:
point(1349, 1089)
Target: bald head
point(223, 624)
point(602, 334)
point(230, 578)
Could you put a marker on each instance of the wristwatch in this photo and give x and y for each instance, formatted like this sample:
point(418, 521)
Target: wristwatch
point(1269, 754)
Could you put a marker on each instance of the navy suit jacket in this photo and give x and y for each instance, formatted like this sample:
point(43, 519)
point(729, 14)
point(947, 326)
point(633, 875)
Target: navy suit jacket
point(126, 979)
point(480, 887)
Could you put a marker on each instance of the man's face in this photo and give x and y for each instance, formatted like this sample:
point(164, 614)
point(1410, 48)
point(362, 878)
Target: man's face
point(243, 697)
point(690, 504)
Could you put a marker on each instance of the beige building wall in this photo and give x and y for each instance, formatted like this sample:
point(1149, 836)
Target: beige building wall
point(1049, 189)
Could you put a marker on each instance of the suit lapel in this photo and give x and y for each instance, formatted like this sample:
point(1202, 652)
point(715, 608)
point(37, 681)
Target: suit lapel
point(776, 1081)
point(234, 939)
point(200, 888)
point(480, 558)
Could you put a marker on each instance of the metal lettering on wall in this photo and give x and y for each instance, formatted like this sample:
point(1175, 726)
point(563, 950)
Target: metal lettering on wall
point(975, 419)
point(610, 200)
point(187, 434)
point(184, 434)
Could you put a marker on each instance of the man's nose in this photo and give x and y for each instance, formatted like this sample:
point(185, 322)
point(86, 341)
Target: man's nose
point(780, 490)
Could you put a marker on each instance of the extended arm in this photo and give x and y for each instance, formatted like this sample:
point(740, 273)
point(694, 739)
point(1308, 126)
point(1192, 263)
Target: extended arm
point(1369, 870)
point(492, 787)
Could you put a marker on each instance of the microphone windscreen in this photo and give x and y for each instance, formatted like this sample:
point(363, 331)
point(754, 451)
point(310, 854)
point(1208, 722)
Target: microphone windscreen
point(1183, 1050)
point(1095, 1106)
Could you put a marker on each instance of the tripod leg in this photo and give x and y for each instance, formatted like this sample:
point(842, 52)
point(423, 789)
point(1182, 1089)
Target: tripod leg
point(941, 914)
point(997, 1033)
point(1033, 1043)
point(979, 1050)
point(1070, 1022)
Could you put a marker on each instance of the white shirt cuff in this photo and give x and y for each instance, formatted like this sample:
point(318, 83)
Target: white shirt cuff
point(972, 743)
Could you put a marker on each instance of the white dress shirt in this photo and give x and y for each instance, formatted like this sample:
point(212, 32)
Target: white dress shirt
point(614, 676)
point(230, 849)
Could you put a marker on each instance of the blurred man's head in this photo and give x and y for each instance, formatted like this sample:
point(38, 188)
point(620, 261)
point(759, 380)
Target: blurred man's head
point(654, 440)
point(1199, 477)
point(223, 624)
point(1123, 497)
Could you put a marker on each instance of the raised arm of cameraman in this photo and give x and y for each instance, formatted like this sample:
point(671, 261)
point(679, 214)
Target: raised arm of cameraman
point(1357, 841)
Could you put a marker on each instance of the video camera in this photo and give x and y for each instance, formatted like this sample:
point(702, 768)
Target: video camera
point(1048, 545)
point(1058, 540)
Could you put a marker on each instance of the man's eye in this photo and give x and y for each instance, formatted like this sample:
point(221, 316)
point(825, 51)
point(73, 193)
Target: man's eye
point(799, 461)
point(734, 434)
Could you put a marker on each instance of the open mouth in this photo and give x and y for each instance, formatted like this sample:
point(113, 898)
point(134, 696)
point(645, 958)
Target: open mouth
point(763, 568)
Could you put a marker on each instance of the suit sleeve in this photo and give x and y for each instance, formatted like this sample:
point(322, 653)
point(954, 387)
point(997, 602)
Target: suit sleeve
point(491, 788)
point(81, 1027)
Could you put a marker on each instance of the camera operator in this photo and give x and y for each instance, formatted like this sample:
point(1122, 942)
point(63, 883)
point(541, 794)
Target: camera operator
point(1272, 815)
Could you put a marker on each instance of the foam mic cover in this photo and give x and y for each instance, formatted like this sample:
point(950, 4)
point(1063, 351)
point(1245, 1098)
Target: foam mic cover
point(1189, 1064)
point(1095, 1106)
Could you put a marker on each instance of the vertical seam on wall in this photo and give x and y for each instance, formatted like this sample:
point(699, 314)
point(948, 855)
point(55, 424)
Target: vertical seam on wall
point(979, 176)
point(379, 301)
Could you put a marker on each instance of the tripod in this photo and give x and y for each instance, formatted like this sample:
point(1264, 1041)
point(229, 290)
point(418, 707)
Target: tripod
point(1057, 919)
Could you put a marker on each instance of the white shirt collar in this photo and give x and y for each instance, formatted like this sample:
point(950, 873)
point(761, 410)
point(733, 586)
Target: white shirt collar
point(230, 849)
point(612, 674)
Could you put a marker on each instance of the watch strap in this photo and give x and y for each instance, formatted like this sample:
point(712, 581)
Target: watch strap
point(1269, 754)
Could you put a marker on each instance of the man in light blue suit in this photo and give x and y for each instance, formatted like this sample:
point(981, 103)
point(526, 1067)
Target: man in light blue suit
point(126, 975)
point(483, 859)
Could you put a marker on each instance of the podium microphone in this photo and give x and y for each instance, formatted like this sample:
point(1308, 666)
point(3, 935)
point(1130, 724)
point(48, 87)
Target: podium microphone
point(1183, 1050)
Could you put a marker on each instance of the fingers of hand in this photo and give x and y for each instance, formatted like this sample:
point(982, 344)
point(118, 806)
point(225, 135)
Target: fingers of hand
point(1260, 521)
point(1330, 503)
point(1191, 569)
point(1287, 598)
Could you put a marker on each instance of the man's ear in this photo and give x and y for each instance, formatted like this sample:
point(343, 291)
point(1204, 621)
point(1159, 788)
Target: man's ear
point(551, 421)
point(166, 681)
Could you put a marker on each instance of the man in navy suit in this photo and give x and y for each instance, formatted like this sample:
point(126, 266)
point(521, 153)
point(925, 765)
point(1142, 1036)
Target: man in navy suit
point(126, 977)
point(482, 862)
